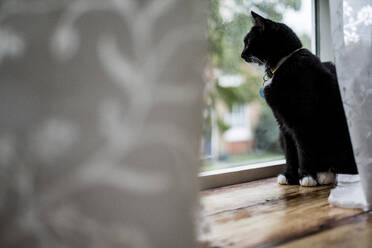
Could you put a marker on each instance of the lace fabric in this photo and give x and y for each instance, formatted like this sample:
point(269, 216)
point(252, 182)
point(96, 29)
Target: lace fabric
point(351, 25)
point(100, 105)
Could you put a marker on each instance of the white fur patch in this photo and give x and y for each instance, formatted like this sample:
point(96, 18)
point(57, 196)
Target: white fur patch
point(282, 179)
point(267, 82)
point(308, 181)
point(325, 178)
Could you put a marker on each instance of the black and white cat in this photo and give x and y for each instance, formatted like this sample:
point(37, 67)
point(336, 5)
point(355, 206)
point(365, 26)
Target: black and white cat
point(305, 99)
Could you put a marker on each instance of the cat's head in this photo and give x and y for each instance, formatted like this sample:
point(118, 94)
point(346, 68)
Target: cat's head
point(268, 41)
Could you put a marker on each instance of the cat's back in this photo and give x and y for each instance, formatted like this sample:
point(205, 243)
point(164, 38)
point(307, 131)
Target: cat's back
point(296, 81)
point(304, 76)
point(304, 88)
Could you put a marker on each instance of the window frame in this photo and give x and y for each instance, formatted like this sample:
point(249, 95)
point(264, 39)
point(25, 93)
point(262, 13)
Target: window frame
point(322, 30)
point(322, 47)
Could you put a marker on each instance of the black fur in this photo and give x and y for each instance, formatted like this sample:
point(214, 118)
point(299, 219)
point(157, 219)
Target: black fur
point(305, 100)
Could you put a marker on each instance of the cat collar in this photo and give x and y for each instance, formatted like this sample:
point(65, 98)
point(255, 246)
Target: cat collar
point(270, 73)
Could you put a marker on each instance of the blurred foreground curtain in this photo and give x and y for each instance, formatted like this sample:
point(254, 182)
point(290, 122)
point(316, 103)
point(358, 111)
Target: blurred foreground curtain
point(100, 116)
point(351, 24)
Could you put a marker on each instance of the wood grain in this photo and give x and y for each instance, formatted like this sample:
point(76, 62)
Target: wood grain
point(264, 214)
point(355, 231)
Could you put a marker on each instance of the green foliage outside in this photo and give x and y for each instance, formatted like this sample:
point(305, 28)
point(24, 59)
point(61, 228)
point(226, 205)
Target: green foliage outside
point(225, 37)
point(266, 133)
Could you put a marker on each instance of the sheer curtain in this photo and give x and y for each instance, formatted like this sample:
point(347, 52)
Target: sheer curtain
point(100, 121)
point(351, 24)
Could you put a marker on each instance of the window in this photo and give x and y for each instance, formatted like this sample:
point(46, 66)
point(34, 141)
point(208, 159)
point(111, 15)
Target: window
point(239, 128)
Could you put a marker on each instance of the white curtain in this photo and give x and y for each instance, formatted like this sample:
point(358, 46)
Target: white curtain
point(100, 121)
point(351, 24)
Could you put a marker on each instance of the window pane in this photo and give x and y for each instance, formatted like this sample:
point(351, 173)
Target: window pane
point(239, 127)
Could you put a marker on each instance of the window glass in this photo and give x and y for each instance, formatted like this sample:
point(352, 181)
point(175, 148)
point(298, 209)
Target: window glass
point(239, 128)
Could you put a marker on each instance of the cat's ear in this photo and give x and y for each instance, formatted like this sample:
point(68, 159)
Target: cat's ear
point(258, 20)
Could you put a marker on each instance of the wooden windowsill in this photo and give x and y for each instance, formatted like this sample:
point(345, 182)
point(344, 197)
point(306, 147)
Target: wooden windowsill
point(265, 214)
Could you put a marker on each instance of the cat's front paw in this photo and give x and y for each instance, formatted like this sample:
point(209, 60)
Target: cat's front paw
point(282, 179)
point(287, 179)
point(325, 178)
point(308, 181)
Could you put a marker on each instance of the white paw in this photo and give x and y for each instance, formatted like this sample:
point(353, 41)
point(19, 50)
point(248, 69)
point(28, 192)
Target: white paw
point(308, 181)
point(282, 179)
point(325, 178)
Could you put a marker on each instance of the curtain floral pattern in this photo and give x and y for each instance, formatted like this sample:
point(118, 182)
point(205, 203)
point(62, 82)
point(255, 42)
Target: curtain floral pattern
point(351, 23)
point(100, 122)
